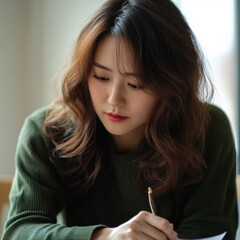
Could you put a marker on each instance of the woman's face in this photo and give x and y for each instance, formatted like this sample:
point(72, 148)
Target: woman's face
point(122, 104)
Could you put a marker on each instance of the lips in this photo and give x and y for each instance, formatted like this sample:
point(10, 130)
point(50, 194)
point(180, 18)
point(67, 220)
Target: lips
point(115, 117)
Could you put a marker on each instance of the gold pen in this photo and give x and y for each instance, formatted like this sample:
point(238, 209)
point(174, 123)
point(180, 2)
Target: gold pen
point(152, 201)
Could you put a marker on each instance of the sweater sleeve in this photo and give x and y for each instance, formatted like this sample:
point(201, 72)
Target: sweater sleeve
point(212, 207)
point(37, 196)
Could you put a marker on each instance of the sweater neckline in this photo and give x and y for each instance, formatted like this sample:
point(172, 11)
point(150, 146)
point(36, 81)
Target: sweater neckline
point(121, 159)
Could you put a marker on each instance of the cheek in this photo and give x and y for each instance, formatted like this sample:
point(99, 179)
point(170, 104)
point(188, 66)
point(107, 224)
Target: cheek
point(145, 105)
point(148, 109)
point(93, 89)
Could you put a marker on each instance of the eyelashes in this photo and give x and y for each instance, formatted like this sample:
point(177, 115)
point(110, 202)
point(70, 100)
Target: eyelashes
point(131, 85)
point(100, 78)
point(135, 86)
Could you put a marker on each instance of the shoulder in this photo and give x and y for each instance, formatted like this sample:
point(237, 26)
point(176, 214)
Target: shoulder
point(219, 139)
point(217, 114)
point(39, 113)
point(34, 147)
point(219, 122)
point(37, 117)
point(33, 128)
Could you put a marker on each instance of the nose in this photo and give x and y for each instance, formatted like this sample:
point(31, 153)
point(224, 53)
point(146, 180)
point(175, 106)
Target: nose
point(116, 95)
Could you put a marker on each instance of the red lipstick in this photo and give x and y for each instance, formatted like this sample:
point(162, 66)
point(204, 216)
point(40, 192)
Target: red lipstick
point(115, 117)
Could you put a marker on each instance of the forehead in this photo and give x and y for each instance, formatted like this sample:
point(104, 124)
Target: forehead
point(114, 53)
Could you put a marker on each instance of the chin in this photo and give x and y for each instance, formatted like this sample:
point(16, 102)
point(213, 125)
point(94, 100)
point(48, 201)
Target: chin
point(117, 132)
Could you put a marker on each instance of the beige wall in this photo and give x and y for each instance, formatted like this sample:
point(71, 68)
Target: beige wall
point(36, 37)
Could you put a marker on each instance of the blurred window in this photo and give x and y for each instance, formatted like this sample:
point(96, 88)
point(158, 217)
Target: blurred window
point(214, 23)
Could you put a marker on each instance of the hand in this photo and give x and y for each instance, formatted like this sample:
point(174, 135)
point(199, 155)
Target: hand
point(143, 226)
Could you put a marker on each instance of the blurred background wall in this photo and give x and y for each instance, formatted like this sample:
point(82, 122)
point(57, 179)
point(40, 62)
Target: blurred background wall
point(36, 39)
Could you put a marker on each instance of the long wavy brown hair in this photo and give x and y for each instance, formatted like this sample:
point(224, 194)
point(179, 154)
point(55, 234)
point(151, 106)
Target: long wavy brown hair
point(170, 64)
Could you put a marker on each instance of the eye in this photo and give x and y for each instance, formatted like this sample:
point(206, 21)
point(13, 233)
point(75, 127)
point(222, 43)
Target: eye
point(100, 78)
point(135, 86)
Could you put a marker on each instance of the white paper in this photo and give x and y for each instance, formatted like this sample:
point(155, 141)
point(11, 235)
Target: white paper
point(217, 237)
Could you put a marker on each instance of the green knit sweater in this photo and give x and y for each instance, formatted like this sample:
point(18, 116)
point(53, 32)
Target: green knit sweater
point(37, 195)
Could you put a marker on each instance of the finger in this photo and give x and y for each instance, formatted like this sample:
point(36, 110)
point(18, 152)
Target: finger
point(151, 232)
point(146, 232)
point(161, 236)
point(167, 228)
point(138, 228)
point(161, 224)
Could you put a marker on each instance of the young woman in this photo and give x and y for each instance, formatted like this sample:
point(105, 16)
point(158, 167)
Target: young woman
point(133, 114)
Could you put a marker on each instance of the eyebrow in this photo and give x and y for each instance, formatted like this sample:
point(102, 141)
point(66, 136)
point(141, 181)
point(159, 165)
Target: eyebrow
point(101, 66)
point(110, 70)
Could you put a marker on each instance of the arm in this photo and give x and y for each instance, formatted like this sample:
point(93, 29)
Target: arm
point(37, 195)
point(212, 206)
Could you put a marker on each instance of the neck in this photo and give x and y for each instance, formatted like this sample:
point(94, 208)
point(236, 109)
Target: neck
point(128, 143)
